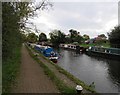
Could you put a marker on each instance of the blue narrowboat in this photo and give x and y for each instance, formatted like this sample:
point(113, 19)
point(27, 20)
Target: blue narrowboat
point(111, 53)
point(47, 52)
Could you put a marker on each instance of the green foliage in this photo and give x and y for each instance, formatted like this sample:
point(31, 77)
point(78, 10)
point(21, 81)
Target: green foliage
point(10, 30)
point(86, 37)
point(102, 36)
point(114, 37)
point(24, 37)
point(32, 38)
point(67, 40)
point(11, 39)
point(75, 36)
point(14, 19)
point(101, 41)
point(10, 69)
point(42, 37)
point(57, 37)
point(15, 16)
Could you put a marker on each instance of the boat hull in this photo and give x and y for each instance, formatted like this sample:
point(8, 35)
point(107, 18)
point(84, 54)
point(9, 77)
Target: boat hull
point(47, 52)
point(76, 48)
point(54, 60)
point(103, 55)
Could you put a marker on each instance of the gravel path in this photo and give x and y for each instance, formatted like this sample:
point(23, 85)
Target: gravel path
point(32, 78)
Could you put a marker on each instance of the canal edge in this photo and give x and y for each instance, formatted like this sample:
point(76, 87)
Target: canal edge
point(58, 82)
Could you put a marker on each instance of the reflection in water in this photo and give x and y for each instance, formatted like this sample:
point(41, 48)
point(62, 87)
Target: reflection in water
point(104, 73)
point(114, 72)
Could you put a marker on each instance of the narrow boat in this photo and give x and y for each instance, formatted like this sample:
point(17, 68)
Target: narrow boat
point(76, 48)
point(47, 52)
point(111, 53)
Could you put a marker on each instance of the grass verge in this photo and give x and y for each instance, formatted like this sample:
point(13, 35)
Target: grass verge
point(70, 76)
point(10, 68)
point(107, 45)
point(73, 78)
point(60, 85)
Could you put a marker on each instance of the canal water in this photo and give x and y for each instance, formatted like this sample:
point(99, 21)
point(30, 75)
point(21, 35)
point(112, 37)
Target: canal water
point(104, 73)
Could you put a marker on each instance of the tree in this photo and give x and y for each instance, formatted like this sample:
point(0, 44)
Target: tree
point(14, 19)
point(102, 36)
point(32, 38)
point(114, 37)
point(57, 37)
point(11, 37)
point(24, 37)
point(75, 36)
point(42, 37)
point(86, 37)
point(67, 39)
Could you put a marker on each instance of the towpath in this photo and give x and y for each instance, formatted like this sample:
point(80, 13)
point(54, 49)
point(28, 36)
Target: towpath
point(61, 76)
point(31, 78)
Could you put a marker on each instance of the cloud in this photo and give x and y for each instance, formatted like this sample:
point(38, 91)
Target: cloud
point(90, 18)
point(84, 0)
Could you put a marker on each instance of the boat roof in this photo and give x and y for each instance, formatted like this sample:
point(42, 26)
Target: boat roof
point(45, 47)
point(106, 48)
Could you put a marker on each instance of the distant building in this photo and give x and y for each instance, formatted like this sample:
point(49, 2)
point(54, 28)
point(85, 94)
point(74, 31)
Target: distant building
point(90, 41)
point(100, 38)
point(96, 39)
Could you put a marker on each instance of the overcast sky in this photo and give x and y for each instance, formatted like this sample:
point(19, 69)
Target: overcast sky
point(92, 18)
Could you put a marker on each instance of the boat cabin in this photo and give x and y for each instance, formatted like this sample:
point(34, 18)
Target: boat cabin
point(105, 50)
point(46, 51)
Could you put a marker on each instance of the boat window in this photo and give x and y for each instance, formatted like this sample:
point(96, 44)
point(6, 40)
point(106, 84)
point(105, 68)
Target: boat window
point(107, 51)
point(44, 52)
point(90, 47)
point(118, 51)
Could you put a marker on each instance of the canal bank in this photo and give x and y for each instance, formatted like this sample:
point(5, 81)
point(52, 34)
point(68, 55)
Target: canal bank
point(103, 72)
point(65, 82)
